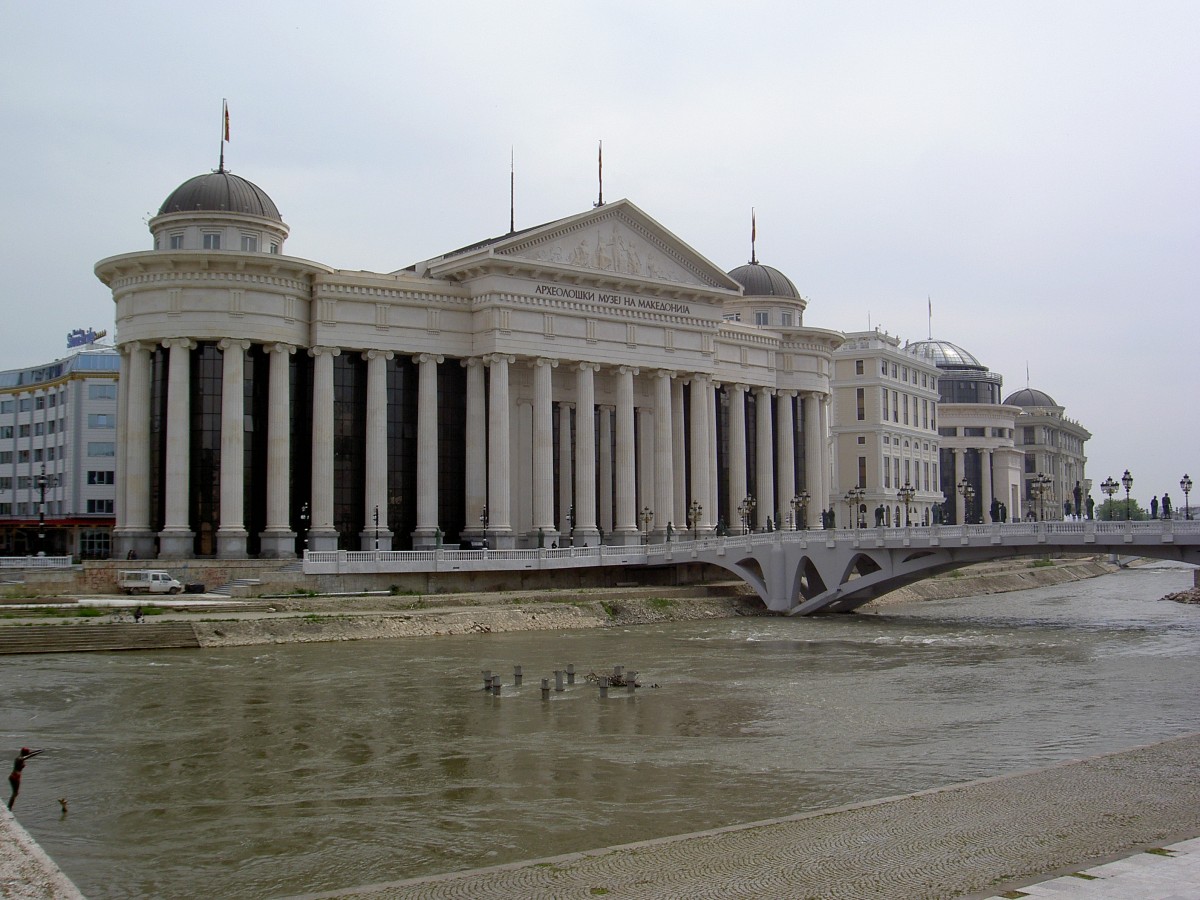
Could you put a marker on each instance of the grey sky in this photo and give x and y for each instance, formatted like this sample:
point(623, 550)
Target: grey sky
point(1031, 167)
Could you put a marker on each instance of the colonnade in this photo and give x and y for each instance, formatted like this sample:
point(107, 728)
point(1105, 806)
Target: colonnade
point(641, 452)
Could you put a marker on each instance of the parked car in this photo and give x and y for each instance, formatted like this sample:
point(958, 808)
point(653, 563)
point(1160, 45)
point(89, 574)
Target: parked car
point(146, 581)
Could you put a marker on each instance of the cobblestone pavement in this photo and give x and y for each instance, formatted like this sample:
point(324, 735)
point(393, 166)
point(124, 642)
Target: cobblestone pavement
point(978, 839)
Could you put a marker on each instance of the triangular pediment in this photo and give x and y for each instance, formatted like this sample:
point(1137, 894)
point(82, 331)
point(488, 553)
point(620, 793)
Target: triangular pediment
point(616, 240)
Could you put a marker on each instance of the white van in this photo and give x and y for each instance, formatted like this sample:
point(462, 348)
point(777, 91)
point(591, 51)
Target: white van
point(145, 581)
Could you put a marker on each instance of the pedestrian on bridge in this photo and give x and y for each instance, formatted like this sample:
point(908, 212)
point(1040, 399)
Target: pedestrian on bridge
point(1166, 506)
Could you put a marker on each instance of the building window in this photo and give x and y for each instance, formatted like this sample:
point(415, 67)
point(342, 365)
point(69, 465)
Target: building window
point(212, 240)
point(5, 457)
point(100, 506)
point(787, 322)
point(5, 509)
point(906, 409)
point(22, 456)
point(23, 430)
point(101, 448)
point(102, 392)
point(6, 431)
point(6, 483)
point(39, 402)
point(761, 318)
point(858, 366)
point(176, 241)
point(896, 406)
point(39, 428)
point(37, 455)
point(274, 247)
point(25, 404)
point(885, 405)
point(862, 438)
point(948, 432)
point(7, 406)
point(250, 243)
point(974, 432)
point(924, 413)
point(887, 473)
point(861, 399)
point(95, 543)
point(102, 420)
point(884, 365)
point(101, 477)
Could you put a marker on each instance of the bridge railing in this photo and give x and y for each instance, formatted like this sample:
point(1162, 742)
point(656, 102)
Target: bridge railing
point(34, 562)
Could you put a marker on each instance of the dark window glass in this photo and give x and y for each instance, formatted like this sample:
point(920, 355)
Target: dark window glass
point(205, 472)
point(349, 448)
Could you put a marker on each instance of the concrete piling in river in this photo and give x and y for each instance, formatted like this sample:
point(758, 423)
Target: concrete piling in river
point(558, 679)
point(517, 674)
point(487, 679)
point(570, 673)
point(496, 685)
point(545, 688)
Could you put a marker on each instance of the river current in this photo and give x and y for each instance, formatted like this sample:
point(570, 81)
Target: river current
point(273, 771)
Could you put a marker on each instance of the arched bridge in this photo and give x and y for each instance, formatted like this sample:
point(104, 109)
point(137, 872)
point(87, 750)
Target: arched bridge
point(805, 572)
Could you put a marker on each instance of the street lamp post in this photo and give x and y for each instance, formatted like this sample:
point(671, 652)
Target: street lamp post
point(745, 510)
point(41, 482)
point(1185, 485)
point(304, 520)
point(800, 508)
point(483, 521)
point(647, 518)
point(694, 519)
point(1041, 484)
point(855, 495)
point(1127, 483)
point(905, 495)
point(377, 528)
point(1109, 486)
point(571, 523)
point(968, 494)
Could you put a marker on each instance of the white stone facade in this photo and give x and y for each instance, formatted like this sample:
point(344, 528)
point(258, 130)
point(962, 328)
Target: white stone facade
point(577, 381)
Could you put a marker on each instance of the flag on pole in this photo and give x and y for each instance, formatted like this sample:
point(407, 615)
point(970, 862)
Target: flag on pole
point(225, 105)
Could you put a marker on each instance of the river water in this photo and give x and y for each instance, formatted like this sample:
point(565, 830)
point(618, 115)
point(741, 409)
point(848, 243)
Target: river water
point(272, 771)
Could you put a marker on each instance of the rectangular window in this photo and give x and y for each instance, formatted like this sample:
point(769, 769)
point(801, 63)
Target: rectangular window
point(212, 240)
point(896, 470)
point(6, 431)
point(786, 319)
point(102, 392)
point(250, 243)
point(25, 404)
point(6, 483)
point(908, 471)
point(100, 506)
point(924, 413)
point(894, 375)
point(37, 455)
point(1027, 435)
point(948, 432)
point(862, 439)
point(5, 457)
point(176, 241)
point(39, 428)
point(50, 454)
point(895, 406)
point(52, 426)
point(22, 456)
point(5, 509)
point(887, 473)
point(274, 247)
point(102, 420)
point(862, 471)
point(1030, 462)
point(904, 376)
point(761, 318)
point(861, 399)
point(884, 365)
point(858, 366)
point(101, 477)
point(885, 405)
point(969, 431)
point(101, 448)
point(906, 409)
point(23, 430)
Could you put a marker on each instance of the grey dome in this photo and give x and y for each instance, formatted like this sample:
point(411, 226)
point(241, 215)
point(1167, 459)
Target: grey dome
point(1028, 397)
point(758, 280)
point(220, 192)
point(945, 355)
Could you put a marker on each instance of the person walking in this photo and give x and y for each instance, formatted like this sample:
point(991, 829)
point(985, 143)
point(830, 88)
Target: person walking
point(14, 778)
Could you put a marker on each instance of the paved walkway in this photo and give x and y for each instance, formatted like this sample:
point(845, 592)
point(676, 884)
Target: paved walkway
point(982, 839)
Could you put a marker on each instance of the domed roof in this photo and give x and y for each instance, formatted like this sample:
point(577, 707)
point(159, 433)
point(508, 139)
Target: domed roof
point(220, 191)
point(758, 280)
point(945, 355)
point(1027, 397)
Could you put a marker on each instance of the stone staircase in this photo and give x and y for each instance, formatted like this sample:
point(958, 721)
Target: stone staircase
point(227, 588)
point(98, 636)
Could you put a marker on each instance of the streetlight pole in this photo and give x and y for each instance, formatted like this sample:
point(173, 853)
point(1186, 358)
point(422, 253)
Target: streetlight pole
point(647, 518)
point(41, 482)
point(745, 509)
point(694, 518)
point(1127, 483)
point(1185, 485)
point(968, 494)
point(1109, 486)
point(377, 528)
point(855, 495)
point(1042, 487)
point(304, 519)
point(905, 496)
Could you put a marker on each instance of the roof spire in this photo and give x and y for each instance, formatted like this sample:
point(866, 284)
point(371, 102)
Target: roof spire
point(600, 172)
point(753, 237)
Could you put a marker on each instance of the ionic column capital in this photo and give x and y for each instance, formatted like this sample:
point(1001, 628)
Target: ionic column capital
point(586, 367)
point(628, 370)
point(233, 343)
point(664, 373)
point(473, 362)
point(493, 358)
point(763, 391)
point(184, 343)
point(285, 349)
point(543, 361)
point(369, 355)
point(424, 357)
point(314, 352)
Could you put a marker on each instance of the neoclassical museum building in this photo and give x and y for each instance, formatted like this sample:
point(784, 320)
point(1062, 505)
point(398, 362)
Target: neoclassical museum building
point(590, 379)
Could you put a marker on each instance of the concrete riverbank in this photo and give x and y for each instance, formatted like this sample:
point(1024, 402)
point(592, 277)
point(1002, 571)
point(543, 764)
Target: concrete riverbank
point(980, 839)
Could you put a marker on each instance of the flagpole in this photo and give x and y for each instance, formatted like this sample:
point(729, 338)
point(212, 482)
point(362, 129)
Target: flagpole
point(224, 132)
point(512, 191)
point(600, 173)
point(753, 238)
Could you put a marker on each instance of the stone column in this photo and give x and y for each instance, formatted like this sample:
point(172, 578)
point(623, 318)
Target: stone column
point(785, 456)
point(176, 539)
point(321, 533)
point(426, 533)
point(764, 461)
point(713, 489)
point(137, 535)
point(678, 514)
point(586, 532)
point(604, 446)
point(500, 533)
point(737, 454)
point(122, 444)
point(812, 459)
point(626, 526)
point(278, 539)
point(476, 446)
point(566, 476)
point(699, 451)
point(960, 471)
point(985, 483)
point(664, 455)
point(543, 450)
point(375, 453)
point(231, 535)
point(826, 486)
point(644, 442)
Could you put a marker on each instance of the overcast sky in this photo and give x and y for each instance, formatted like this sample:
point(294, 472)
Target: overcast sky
point(1029, 168)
